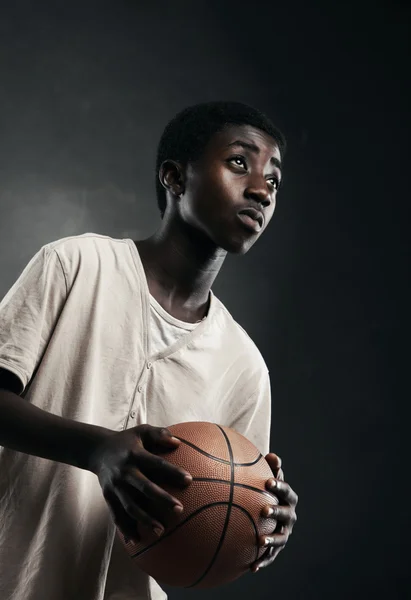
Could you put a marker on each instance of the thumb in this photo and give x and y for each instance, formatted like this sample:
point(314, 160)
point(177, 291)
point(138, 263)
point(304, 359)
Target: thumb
point(164, 437)
point(155, 438)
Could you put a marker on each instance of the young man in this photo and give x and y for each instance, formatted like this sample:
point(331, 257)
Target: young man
point(106, 342)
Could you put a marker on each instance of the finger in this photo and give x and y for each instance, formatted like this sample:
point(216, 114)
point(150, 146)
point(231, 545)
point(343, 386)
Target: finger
point(284, 514)
point(152, 491)
point(275, 540)
point(136, 513)
point(157, 439)
point(274, 461)
point(283, 491)
point(159, 469)
point(280, 475)
point(127, 526)
point(266, 559)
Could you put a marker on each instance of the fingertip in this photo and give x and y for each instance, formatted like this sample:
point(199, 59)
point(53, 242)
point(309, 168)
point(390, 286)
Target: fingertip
point(167, 435)
point(267, 511)
point(272, 457)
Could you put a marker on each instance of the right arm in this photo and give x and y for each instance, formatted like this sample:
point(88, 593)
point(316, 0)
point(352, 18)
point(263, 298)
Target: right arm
point(29, 429)
point(124, 462)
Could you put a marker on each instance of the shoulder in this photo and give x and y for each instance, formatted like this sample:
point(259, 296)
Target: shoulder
point(88, 250)
point(87, 243)
point(240, 341)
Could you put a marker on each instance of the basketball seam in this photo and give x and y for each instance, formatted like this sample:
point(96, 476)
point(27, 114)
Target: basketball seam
point(227, 518)
point(243, 485)
point(222, 460)
point(194, 514)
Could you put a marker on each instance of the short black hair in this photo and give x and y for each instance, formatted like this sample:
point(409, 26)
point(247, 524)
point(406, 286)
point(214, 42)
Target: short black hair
point(187, 134)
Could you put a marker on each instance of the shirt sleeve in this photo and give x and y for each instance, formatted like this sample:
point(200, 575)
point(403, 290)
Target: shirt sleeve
point(253, 418)
point(29, 313)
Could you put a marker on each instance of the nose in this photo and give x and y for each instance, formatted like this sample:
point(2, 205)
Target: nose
point(259, 192)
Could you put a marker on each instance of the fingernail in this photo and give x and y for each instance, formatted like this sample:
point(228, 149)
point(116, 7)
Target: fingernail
point(267, 541)
point(188, 478)
point(158, 531)
point(270, 512)
point(273, 484)
point(178, 509)
point(174, 439)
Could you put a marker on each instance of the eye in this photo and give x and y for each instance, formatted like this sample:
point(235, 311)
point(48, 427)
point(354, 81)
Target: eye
point(238, 160)
point(274, 182)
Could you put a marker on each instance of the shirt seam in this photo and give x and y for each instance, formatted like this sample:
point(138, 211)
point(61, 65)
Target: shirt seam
point(62, 268)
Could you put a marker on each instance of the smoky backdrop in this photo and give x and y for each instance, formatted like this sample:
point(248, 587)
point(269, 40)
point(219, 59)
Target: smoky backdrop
point(86, 90)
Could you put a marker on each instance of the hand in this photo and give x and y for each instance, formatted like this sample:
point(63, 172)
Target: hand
point(130, 475)
point(284, 513)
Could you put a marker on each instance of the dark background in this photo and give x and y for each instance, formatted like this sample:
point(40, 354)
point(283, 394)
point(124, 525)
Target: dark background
point(86, 89)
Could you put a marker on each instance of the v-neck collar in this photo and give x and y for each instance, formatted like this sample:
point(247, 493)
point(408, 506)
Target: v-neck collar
point(145, 303)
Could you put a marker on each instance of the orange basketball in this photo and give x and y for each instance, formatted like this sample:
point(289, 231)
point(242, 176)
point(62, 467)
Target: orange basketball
point(215, 539)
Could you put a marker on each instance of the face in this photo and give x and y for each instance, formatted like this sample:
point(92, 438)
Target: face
point(239, 169)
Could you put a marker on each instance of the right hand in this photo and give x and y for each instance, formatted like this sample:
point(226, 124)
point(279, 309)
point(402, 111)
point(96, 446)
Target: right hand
point(130, 475)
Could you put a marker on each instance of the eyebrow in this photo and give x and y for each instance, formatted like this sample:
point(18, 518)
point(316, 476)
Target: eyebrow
point(250, 146)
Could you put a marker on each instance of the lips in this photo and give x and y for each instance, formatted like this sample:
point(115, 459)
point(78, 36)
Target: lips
point(255, 214)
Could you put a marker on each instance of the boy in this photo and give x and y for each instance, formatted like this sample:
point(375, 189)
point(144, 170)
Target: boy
point(106, 342)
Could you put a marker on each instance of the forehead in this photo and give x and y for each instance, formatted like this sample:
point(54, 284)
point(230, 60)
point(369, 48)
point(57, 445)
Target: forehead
point(246, 133)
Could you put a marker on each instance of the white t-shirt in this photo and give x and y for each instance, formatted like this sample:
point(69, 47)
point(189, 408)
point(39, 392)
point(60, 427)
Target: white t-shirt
point(89, 343)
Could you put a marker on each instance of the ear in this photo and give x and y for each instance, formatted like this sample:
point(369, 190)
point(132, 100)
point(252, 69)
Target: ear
point(171, 175)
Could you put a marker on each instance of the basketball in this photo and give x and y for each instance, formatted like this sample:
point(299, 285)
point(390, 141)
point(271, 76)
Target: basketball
point(215, 539)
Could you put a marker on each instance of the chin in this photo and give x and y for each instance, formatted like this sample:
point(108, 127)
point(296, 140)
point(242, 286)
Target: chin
point(237, 246)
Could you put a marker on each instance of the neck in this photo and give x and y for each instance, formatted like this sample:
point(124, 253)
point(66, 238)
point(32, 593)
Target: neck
point(181, 264)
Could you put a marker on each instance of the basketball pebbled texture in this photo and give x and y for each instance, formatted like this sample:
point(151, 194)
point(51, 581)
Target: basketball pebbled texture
point(215, 539)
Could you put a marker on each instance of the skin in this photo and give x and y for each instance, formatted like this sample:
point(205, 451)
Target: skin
point(200, 226)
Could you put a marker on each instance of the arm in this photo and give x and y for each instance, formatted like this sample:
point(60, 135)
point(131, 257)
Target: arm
point(117, 458)
point(29, 429)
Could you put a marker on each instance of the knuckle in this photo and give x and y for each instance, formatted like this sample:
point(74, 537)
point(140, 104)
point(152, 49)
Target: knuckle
point(161, 463)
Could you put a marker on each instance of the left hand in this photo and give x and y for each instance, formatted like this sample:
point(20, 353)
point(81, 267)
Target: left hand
point(284, 513)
